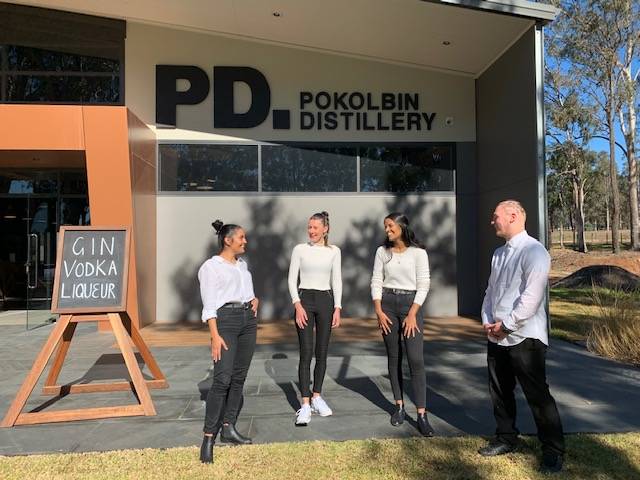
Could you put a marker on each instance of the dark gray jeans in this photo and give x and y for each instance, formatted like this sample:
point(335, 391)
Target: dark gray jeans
point(396, 306)
point(238, 328)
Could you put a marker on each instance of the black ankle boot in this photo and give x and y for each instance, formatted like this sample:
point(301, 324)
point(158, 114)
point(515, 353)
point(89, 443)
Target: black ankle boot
point(397, 417)
point(424, 426)
point(206, 450)
point(231, 435)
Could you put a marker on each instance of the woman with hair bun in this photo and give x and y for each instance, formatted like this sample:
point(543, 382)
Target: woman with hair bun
point(399, 287)
point(317, 300)
point(230, 308)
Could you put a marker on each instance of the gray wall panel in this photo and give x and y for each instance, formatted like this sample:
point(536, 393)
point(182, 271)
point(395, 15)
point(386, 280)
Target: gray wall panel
point(469, 299)
point(508, 144)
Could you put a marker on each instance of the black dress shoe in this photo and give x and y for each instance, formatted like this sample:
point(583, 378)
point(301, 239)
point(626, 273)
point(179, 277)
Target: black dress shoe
point(206, 450)
point(229, 434)
point(423, 425)
point(397, 417)
point(496, 447)
point(551, 462)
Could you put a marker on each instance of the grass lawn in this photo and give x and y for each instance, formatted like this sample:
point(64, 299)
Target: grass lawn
point(615, 456)
point(572, 313)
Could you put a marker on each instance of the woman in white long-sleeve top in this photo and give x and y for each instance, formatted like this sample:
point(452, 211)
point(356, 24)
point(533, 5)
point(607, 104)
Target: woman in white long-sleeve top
point(230, 308)
point(399, 287)
point(317, 299)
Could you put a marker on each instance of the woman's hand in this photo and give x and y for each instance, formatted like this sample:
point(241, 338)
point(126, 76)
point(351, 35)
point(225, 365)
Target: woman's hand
point(254, 306)
point(335, 321)
point(410, 325)
point(217, 344)
point(301, 316)
point(384, 322)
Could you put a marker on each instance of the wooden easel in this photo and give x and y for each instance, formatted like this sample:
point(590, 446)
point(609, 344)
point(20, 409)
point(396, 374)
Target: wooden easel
point(61, 336)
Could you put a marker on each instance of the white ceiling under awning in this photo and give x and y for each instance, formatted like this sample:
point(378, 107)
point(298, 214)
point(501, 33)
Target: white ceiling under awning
point(419, 33)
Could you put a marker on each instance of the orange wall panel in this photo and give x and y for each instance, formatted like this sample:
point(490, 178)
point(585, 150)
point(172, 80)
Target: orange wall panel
point(41, 127)
point(120, 154)
point(109, 178)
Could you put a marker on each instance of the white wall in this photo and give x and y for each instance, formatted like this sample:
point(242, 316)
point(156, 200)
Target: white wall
point(288, 71)
point(275, 224)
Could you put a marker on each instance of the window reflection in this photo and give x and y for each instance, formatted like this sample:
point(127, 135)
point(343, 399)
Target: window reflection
point(203, 168)
point(308, 169)
point(406, 169)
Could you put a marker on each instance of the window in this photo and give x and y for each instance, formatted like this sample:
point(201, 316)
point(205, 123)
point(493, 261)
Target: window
point(50, 56)
point(317, 168)
point(406, 169)
point(309, 169)
point(207, 168)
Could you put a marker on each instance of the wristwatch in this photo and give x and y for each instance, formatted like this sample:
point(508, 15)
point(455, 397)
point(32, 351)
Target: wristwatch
point(505, 330)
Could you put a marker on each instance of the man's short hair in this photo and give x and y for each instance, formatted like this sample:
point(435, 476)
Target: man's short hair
point(514, 205)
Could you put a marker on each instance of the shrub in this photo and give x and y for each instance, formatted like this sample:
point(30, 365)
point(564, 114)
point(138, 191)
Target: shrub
point(615, 333)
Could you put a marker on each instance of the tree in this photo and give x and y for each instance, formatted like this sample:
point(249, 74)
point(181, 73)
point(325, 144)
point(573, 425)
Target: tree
point(570, 126)
point(595, 35)
point(627, 109)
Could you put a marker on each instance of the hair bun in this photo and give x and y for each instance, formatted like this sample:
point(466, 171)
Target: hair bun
point(326, 214)
point(217, 225)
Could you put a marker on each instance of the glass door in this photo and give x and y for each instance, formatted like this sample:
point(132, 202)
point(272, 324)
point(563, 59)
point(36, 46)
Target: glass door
point(40, 243)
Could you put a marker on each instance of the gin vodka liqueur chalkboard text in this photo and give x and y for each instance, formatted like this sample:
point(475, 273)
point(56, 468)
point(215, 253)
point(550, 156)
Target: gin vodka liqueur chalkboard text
point(91, 270)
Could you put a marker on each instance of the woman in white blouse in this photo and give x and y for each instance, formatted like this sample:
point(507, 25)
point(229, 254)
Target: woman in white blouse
point(230, 308)
point(317, 300)
point(399, 287)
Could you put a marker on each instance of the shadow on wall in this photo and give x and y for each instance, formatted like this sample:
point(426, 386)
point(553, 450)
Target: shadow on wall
point(187, 288)
point(366, 235)
point(273, 231)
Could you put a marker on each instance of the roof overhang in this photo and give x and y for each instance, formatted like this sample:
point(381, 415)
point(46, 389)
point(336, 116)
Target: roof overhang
point(461, 37)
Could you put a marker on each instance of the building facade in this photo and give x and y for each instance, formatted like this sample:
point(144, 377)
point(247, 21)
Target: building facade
point(262, 113)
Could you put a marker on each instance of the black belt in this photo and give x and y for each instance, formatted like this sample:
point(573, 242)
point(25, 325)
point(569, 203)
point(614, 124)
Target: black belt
point(236, 306)
point(398, 291)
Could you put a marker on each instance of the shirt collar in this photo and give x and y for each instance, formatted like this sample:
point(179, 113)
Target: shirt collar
point(219, 259)
point(517, 240)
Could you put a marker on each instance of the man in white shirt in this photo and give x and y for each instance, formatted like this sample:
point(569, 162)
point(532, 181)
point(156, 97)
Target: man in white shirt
point(515, 320)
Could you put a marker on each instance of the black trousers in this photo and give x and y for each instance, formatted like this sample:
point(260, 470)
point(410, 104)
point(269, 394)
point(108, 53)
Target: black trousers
point(319, 307)
point(525, 363)
point(237, 327)
point(396, 307)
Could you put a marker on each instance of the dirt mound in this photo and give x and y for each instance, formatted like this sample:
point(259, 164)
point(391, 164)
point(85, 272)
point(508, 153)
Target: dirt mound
point(607, 276)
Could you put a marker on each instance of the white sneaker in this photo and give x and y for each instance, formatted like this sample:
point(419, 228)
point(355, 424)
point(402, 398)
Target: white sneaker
point(319, 406)
point(303, 416)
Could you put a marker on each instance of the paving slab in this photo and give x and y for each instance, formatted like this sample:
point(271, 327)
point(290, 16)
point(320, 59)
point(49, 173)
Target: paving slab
point(593, 394)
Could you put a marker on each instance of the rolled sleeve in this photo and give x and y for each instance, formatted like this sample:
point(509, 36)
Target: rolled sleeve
point(208, 288)
point(423, 277)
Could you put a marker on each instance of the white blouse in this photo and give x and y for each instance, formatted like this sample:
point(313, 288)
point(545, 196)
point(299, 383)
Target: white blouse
point(408, 270)
point(319, 268)
point(223, 282)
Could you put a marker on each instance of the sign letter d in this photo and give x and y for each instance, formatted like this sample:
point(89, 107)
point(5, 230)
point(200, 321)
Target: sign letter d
point(224, 115)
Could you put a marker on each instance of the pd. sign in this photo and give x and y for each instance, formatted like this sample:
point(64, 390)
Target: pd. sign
point(317, 110)
point(91, 270)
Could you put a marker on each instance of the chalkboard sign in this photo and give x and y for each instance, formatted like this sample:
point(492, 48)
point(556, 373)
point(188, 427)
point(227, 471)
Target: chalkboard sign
point(91, 270)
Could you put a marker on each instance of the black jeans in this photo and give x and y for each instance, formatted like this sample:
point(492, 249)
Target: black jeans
point(396, 307)
point(237, 327)
point(526, 363)
point(319, 307)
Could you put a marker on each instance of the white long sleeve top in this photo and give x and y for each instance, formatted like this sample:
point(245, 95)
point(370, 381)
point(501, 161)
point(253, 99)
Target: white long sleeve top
point(408, 270)
point(319, 268)
point(517, 289)
point(223, 282)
